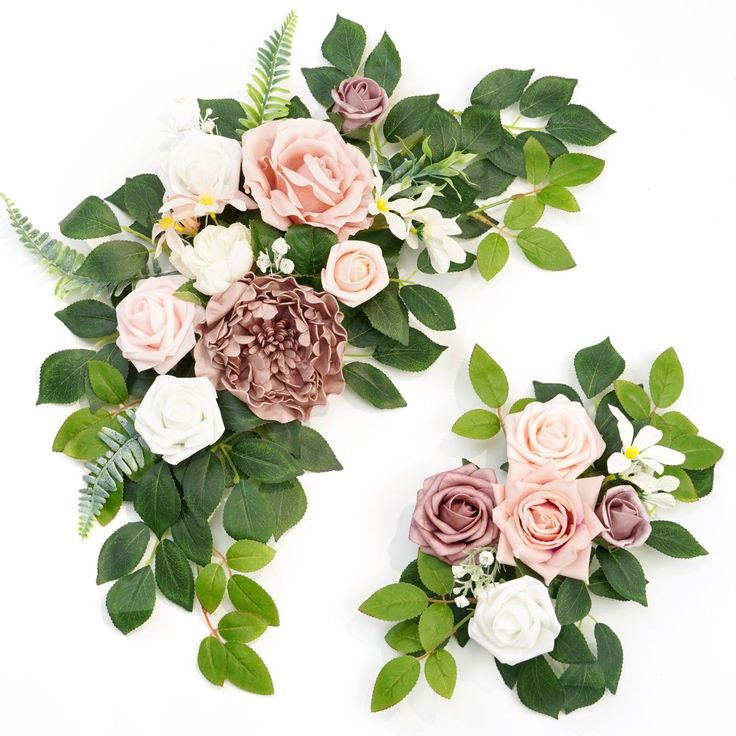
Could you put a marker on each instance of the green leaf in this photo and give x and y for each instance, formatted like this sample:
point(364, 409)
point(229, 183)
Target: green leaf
point(509, 156)
point(91, 218)
point(443, 131)
point(344, 45)
point(315, 454)
point(62, 376)
point(702, 481)
point(417, 355)
point(538, 687)
point(493, 252)
point(89, 318)
point(440, 670)
point(204, 482)
point(576, 124)
point(624, 573)
point(573, 601)
point(383, 64)
point(545, 249)
point(536, 161)
point(264, 460)
point(546, 95)
point(408, 116)
point(600, 586)
point(248, 555)
point(288, 505)
point(633, 398)
point(78, 436)
point(425, 265)
point(558, 197)
point(157, 499)
point(228, 113)
point(488, 378)
point(246, 595)
point(434, 573)
point(131, 599)
point(122, 551)
point(597, 367)
point(573, 169)
point(477, 424)
point(395, 681)
point(107, 382)
point(666, 379)
point(193, 535)
point(212, 660)
point(584, 685)
point(210, 586)
point(523, 213)
point(246, 670)
point(610, 655)
point(236, 416)
point(521, 404)
point(571, 647)
point(685, 491)
point(174, 575)
point(144, 195)
point(247, 513)
point(480, 129)
point(509, 673)
point(547, 391)
point(309, 248)
point(674, 540)
point(241, 626)
point(372, 385)
point(428, 306)
point(700, 453)
point(388, 315)
point(490, 180)
point(321, 81)
point(501, 88)
point(435, 625)
point(396, 602)
point(404, 637)
point(115, 261)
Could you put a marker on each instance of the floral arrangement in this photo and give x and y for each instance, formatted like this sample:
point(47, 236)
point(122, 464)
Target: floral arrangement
point(512, 564)
point(221, 294)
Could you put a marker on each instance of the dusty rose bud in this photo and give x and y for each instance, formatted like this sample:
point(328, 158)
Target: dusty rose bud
point(624, 518)
point(360, 102)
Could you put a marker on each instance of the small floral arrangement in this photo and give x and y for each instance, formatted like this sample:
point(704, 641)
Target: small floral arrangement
point(512, 564)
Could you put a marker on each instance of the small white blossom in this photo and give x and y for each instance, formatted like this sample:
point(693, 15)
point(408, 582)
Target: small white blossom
point(397, 212)
point(280, 247)
point(286, 266)
point(263, 261)
point(486, 557)
point(462, 602)
point(435, 233)
point(458, 571)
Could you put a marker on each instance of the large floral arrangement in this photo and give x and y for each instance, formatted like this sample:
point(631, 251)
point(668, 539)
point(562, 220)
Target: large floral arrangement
point(511, 564)
point(221, 294)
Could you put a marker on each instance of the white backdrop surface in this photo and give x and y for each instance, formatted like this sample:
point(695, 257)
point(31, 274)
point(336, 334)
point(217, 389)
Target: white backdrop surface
point(85, 87)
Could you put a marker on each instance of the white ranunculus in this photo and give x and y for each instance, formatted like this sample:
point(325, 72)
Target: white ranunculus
point(179, 416)
point(219, 257)
point(515, 621)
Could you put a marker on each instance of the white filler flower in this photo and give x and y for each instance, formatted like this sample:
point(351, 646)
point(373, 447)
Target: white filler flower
point(436, 233)
point(397, 212)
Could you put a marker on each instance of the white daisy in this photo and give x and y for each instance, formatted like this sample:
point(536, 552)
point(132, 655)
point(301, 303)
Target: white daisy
point(397, 212)
point(435, 232)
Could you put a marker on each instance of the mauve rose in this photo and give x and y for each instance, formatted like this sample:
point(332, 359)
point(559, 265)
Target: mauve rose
point(275, 345)
point(302, 171)
point(624, 518)
point(359, 101)
point(453, 515)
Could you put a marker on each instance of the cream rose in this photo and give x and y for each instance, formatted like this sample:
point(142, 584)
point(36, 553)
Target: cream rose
point(178, 417)
point(217, 259)
point(515, 621)
point(558, 431)
point(355, 272)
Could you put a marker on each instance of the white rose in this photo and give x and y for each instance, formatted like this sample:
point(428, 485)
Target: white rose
point(202, 175)
point(219, 257)
point(179, 416)
point(515, 621)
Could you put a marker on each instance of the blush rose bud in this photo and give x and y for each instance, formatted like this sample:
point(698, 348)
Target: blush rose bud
point(360, 102)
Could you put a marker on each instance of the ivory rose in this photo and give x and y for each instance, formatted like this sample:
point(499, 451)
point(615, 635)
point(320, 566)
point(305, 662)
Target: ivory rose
point(355, 272)
point(547, 521)
point(156, 328)
point(302, 171)
point(624, 518)
point(453, 514)
point(558, 431)
point(359, 101)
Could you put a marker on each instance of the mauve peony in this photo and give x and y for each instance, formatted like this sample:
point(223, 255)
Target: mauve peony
point(624, 518)
point(453, 515)
point(360, 102)
point(302, 171)
point(274, 344)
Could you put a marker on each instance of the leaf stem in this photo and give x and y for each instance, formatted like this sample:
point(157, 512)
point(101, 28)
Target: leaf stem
point(213, 629)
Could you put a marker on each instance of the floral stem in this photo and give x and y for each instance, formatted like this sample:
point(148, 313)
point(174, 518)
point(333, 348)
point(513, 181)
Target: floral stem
point(219, 554)
point(513, 126)
point(357, 355)
point(499, 202)
point(141, 236)
point(213, 629)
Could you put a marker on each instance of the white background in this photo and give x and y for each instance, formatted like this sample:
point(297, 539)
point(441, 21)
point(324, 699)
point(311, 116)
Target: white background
point(84, 89)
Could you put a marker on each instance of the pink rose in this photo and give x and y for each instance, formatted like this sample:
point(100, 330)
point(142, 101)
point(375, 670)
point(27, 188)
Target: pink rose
point(156, 328)
point(355, 272)
point(547, 521)
point(453, 515)
point(302, 171)
point(624, 518)
point(360, 102)
point(558, 431)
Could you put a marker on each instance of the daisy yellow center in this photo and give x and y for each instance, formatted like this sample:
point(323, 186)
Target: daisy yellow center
point(206, 200)
point(631, 453)
point(382, 204)
point(166, 222)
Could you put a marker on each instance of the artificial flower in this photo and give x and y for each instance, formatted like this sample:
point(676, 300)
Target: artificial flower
point(359, 101)
point(624, 518)
point(397, 212)
point(435, 232)
point(168, 231)
point(657, 491)
point(355, 272)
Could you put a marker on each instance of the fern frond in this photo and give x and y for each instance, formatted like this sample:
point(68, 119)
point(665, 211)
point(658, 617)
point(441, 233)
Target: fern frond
point(270, 100)
point(127, 455)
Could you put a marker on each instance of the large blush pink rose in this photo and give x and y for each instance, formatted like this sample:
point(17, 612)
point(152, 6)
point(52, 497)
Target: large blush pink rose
point(355, 272)
point(302, 171)
point(546, 521)
point(558, 431)
point(156, 328)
